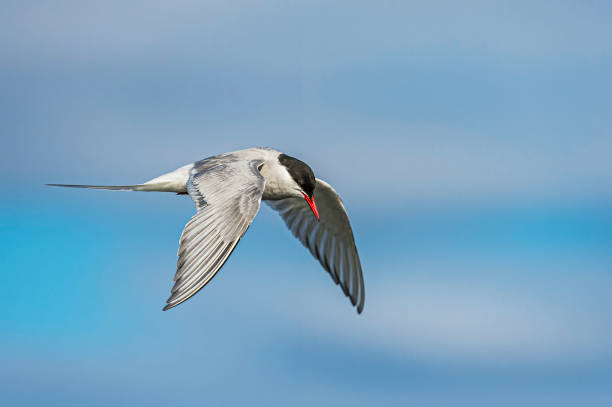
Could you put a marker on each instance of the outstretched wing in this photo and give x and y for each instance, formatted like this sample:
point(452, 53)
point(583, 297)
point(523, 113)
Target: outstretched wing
point(227, 193)
point(330, 240)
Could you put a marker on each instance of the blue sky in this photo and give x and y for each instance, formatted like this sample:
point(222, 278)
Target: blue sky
point(485, 237)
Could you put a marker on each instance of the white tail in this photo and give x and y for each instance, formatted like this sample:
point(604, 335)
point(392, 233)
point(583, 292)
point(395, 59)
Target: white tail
point(139, 187)
point(175, 181)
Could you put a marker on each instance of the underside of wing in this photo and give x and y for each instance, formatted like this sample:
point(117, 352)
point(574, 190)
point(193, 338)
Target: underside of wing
point(227, 194)
point(330, 240)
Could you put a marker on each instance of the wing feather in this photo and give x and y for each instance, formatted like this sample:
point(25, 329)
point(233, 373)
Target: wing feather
point(330, 241)
point(227, 193)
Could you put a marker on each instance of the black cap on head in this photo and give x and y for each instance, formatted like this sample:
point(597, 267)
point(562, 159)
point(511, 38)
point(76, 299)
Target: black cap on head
point(300, 172)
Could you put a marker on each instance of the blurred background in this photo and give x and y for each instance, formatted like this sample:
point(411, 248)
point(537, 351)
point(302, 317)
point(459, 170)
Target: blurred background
point(471, 142)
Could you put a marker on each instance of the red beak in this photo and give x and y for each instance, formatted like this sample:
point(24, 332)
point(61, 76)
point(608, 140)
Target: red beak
point(312, 204)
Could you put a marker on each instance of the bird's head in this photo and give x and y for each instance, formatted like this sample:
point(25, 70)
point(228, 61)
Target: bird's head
point(304, 179)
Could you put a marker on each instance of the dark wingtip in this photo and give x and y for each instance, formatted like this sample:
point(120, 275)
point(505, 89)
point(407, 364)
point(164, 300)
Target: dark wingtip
point(166, 307)
point(68, 185)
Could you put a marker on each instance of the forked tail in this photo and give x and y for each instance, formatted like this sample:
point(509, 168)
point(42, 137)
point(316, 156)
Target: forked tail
point(111, 187)
point(175, 181)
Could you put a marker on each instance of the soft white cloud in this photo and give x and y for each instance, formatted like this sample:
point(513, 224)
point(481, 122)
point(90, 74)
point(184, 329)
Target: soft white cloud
point(461, 322)
point(371, 162)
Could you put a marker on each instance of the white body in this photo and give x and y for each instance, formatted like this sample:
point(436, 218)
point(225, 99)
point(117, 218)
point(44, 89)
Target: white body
point(278, 181)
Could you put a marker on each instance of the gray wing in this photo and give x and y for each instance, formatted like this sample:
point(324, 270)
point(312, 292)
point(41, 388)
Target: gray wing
point(227, 194)
point(330, 241)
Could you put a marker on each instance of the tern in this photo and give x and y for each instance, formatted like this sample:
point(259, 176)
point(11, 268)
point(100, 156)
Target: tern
point(227, 190)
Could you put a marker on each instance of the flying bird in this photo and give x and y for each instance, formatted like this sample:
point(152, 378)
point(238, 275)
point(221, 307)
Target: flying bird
point(227, 190)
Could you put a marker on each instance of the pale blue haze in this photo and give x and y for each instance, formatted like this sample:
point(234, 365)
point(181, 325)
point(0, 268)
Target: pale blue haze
point(471, 142)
